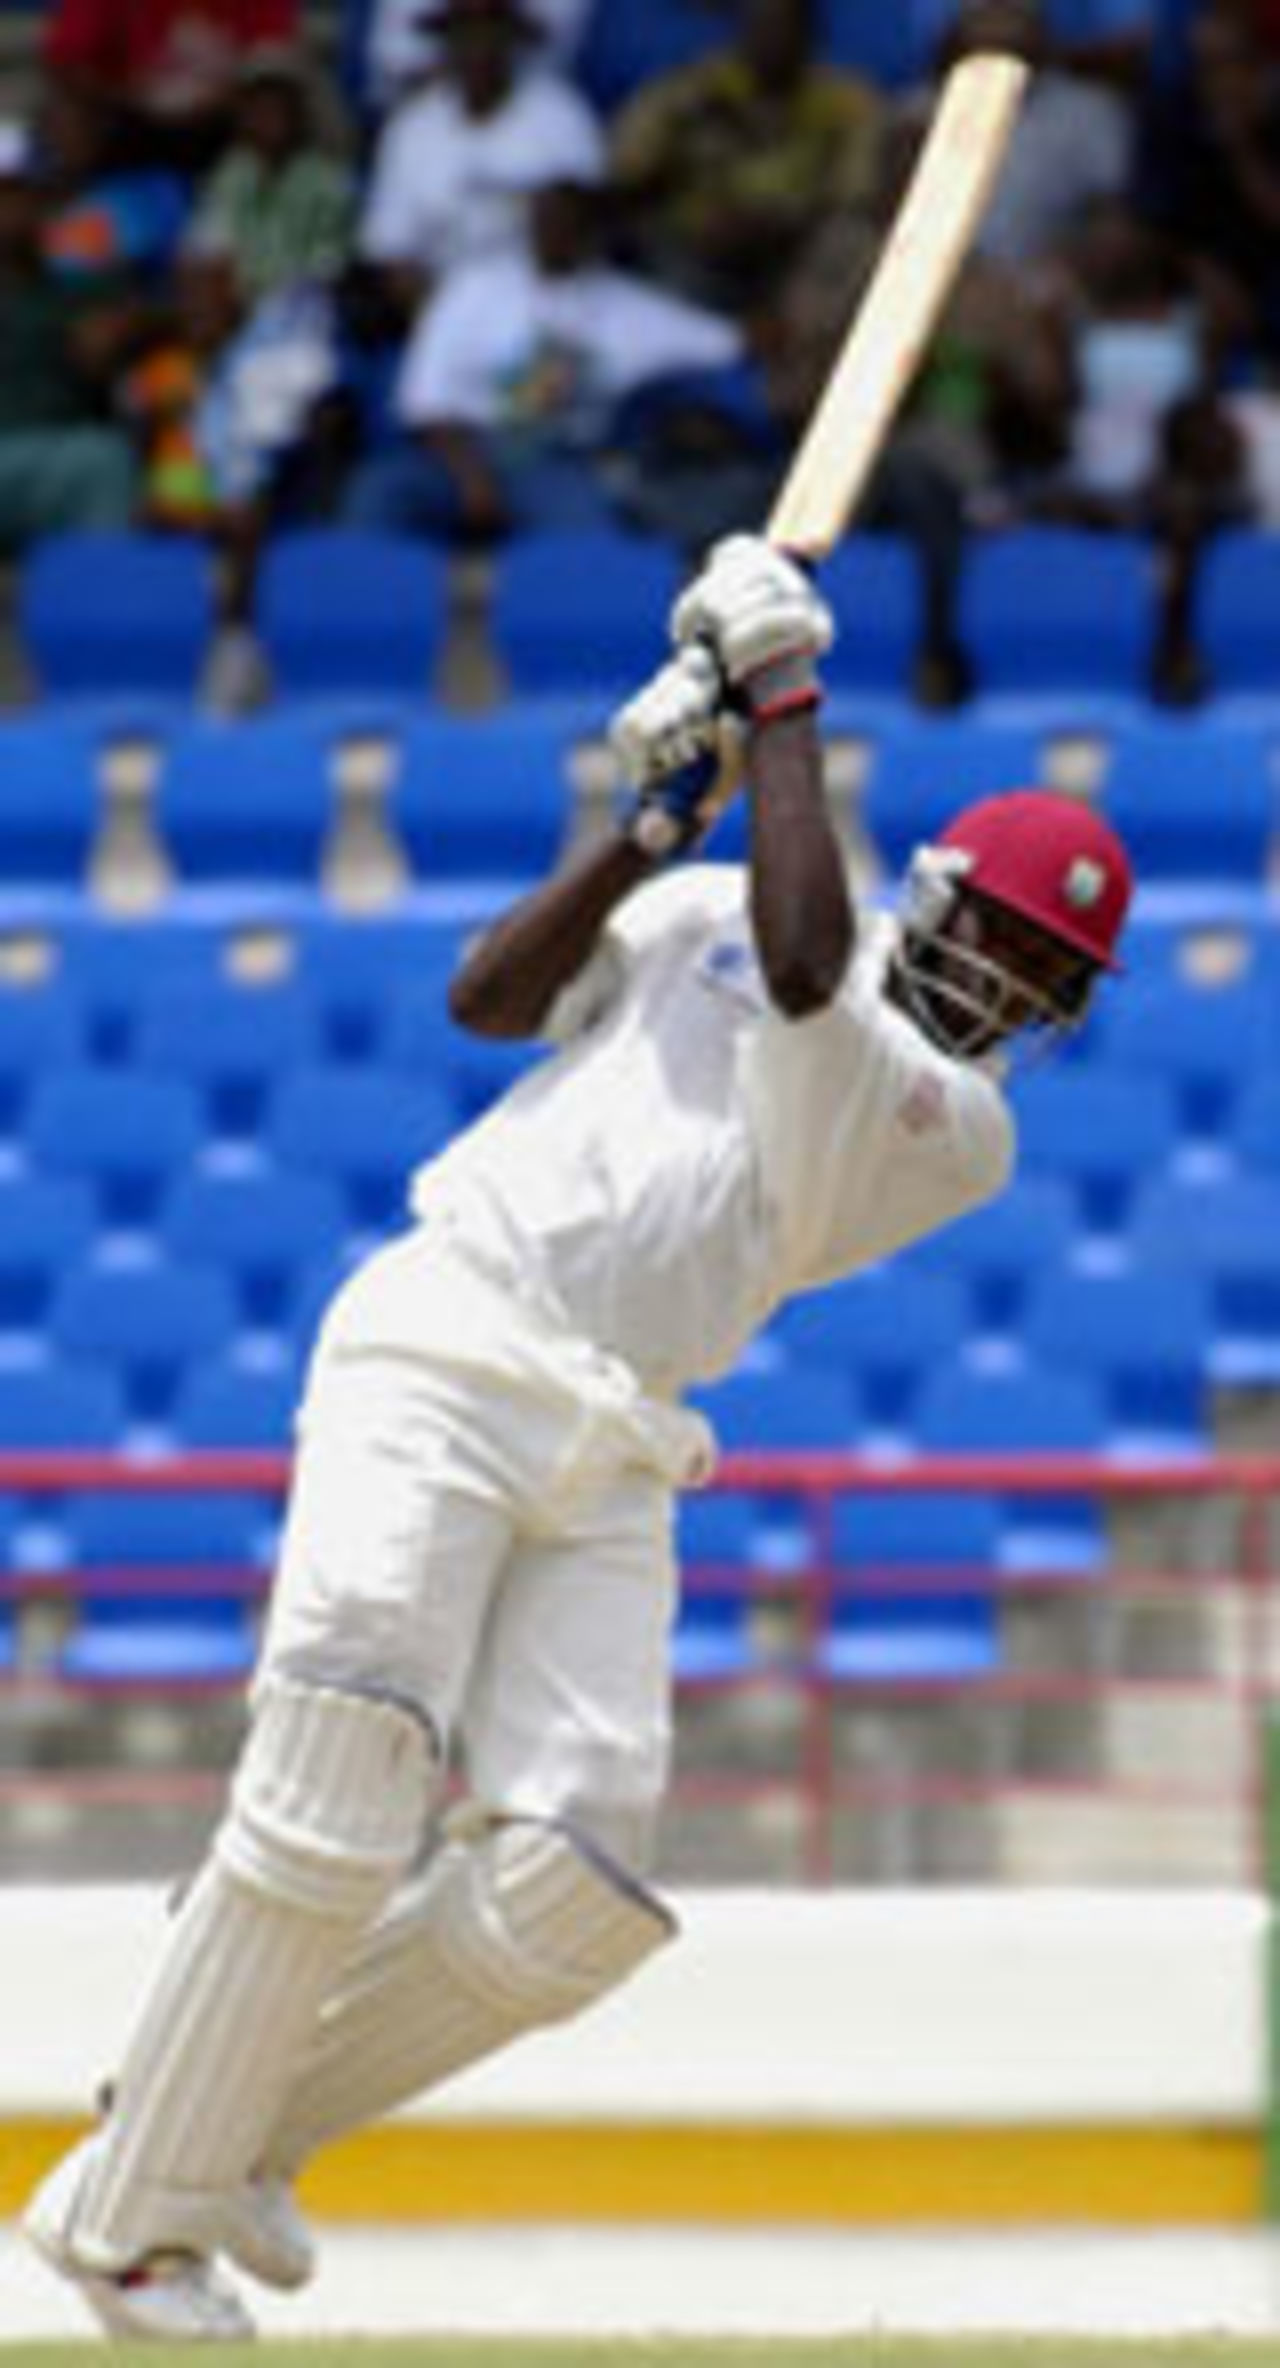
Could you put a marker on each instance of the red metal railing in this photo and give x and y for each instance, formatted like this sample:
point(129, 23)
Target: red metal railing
point(821, 1786)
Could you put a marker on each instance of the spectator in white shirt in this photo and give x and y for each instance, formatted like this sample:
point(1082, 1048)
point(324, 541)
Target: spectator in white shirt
point(512, 375)
point(453, 165)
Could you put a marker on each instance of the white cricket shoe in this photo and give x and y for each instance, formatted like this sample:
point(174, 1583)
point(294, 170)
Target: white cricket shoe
point(169, 2297)
point(265, 2234)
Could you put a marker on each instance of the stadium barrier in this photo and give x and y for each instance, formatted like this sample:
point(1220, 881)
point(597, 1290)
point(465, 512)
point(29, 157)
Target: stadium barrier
point(1093, 2041)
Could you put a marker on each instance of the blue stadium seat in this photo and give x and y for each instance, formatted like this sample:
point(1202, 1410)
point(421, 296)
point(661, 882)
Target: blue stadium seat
point(40, 1031)
point(352, 969)
point(365, 1130)
point(249, 801)
point(482, 794)
point(264, 1229)
point(929, 1628)
point(1225, 1230)
point(231, 1040)
point(885, 45)
point(1193, 801)
point(50, 810)
point(1101, 1131)
point(1206, 1042)
point(714, 1526)
point(127, 1136)
point(61, 1403)
point(46, 1224)
point(582, 610)
point(791, 1407)
point(921, 771)
point(1255, 1133)
point(997, 1252)
point(118, 968)
point(420, 1038)
point(343, 611)
point(1025, 1409)
point(872, 582)
point(884, 1331)
point(9, 1636)
point(233, 1404)
point(624, 47)
point(1144, 1336)
point(147, 1320)
point(713, 1640)
point(103, 616)
point(139, 1622)
point(1237, 619)
point(1051, 609)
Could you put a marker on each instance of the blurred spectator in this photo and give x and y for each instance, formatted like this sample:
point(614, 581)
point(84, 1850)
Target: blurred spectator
point(1108, 41)
point(512, 378)
point(730, 165)
point(452, 166)
point(168, 66)
point(1074, 139)
point(219, 403)
point(62, 461)
point(401, 49)
point(102, 218)
point(277, 202)
point(353, 415)
point(1149, 444)
point(1212, 169)
point(1137, 345)
point(224, 393)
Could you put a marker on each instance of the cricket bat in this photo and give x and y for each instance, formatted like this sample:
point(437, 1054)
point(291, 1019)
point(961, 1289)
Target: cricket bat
point(927, 242)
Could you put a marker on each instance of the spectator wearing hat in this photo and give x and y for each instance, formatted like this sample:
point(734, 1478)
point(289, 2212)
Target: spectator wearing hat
point(453, 166)
point(168, 66)
point(63, 463)
point(278, 202)
point(401, 49)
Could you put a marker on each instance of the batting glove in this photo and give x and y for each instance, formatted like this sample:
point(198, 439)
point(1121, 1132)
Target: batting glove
point(760, 615)
point(667, 742)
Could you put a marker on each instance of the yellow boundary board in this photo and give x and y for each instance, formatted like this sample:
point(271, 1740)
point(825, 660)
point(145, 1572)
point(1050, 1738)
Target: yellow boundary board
point(734, 2175)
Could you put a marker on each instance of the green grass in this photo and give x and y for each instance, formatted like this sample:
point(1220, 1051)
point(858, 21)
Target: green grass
point(853, 2351)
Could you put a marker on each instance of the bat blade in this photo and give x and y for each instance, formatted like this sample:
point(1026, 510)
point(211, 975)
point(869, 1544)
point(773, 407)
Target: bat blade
point(927, 242)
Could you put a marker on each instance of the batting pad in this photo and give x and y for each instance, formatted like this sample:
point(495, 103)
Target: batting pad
point(521, 1924)
point(325, 1813)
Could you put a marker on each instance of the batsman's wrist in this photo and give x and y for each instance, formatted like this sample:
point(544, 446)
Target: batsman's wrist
point(785, 686)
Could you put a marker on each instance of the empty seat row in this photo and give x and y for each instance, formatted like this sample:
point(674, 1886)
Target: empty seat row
point(496, 796)
point(1044, 611)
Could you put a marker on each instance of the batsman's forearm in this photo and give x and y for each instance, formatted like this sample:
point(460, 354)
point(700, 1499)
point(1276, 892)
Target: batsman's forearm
point(508, 982)
point(801, 910)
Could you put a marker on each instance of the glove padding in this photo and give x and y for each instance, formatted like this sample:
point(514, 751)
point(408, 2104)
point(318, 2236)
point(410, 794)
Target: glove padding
point(673, 720)
point(667, 741)
point(761, 617)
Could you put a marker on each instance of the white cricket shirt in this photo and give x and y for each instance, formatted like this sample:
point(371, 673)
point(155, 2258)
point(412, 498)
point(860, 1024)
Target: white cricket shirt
point(687, 1157)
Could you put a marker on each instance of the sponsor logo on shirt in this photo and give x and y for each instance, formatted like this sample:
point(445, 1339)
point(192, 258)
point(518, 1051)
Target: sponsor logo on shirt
point(924, 1106)
point(729, 968)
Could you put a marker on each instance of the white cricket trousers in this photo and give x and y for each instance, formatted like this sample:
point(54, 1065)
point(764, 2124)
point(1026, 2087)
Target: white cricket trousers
point(481, 1521)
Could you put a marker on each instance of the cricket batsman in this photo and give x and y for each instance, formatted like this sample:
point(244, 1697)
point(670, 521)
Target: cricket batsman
point(751, 1087)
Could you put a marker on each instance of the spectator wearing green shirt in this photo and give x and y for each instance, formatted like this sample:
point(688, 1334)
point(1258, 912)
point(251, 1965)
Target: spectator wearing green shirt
point(63, 460)
point(278, 204)
point(729, 166)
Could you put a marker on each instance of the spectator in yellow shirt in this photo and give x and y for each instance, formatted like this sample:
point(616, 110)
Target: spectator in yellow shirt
point(730, 166)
